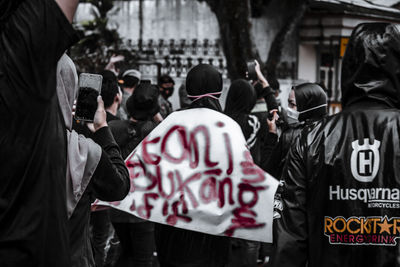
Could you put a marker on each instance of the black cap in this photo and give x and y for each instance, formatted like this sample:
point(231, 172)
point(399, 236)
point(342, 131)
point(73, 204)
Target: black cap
point(143, 103)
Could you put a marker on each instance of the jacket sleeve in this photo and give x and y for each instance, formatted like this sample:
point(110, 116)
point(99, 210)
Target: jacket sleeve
point(290, 228)
point(110, 180)
point(270, 98)
point(272, 156)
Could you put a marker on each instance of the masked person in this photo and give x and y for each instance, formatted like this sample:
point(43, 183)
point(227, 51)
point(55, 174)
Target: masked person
point(33, 215)
point(179, 247)
point(307, 103)
point(166, 85)
point(240, 101)
point(341, 201)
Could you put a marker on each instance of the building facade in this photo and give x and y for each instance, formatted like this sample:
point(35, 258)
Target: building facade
point(174, 35)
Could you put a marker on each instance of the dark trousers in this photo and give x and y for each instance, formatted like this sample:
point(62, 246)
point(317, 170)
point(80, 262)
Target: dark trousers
point(137, 243)
point(101, 224)
point(244, 253)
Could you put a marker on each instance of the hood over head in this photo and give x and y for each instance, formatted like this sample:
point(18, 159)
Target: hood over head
point(371, 65)
point(83, 154)
point(67, 87)
point(204, 86)
point(7, 8)
point(311, 101)
point(241, 98)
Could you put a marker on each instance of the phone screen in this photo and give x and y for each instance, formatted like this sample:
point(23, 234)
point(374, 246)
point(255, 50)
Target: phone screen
point(89, 90)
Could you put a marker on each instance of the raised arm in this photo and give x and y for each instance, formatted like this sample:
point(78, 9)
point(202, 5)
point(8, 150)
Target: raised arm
point(68, 7)
point(110, 180)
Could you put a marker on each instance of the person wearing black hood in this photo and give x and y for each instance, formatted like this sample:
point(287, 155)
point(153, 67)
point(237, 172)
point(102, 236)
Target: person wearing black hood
point(33, 157)
point(179, 247)
point(307, 103)
point(166, 85)
point(136, 235)
point(240, 101)
point(341, 198)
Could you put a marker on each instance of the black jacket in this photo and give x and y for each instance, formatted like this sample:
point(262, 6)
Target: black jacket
point(33, 213)
point(110, 182)
point(277, 157)
point(311, 104)
point(341, 200)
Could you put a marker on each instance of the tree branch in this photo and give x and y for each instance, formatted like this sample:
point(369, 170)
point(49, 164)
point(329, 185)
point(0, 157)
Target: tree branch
point(234, 25)
point(299, 8)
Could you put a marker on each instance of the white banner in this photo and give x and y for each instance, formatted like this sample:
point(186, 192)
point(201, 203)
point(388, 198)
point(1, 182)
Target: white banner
point(194, 172)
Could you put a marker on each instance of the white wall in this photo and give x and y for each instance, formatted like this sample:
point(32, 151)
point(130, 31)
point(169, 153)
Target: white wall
point(307, 64)
point(172, 19)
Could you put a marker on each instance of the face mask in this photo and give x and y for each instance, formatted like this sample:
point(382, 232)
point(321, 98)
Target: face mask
point(293, 115)
point(310, 109)
point(167, 92)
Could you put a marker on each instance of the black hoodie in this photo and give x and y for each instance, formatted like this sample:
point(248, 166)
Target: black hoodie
point(239, 103)
point(341, 202)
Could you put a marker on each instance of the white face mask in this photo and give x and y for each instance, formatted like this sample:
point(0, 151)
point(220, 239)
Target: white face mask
point(307, 110)
point(293, 115)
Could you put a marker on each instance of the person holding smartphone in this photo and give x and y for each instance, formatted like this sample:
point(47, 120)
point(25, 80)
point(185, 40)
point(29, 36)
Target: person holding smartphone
point(33, 215)
point(95, 168)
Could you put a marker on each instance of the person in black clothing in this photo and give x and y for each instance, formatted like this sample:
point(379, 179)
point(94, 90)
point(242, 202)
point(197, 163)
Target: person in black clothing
point(308, 103)
point(33, 215)
point(333, 213)
point(136, 235)
point(179, 247)
point(239, 103)
point(166, 85)
point(100, 219)
point(111, 94)
point(95, 168)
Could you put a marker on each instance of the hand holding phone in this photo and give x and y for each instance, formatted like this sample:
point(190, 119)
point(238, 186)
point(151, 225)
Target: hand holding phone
point(100, 117)
point(89, 90)
point(251, 70)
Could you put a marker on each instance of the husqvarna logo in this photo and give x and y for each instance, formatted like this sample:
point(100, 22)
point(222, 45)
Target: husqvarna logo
point(365, 160)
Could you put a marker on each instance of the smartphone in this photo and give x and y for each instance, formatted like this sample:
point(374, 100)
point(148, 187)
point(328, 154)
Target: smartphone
point(89, 90)
point(251, 70)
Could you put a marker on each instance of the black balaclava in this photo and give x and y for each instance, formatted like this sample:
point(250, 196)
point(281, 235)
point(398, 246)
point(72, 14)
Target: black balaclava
point(241, 98)
point(240, 101)
point(311, 101)
point(204, 79)
point(371, 65)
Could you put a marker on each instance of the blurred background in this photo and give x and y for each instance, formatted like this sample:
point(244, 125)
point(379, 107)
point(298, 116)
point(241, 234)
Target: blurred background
point(294, 40)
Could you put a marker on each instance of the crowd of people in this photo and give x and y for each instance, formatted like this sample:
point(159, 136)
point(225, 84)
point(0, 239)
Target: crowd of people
point(338, 200)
